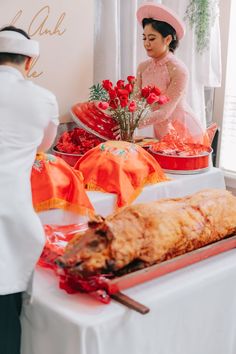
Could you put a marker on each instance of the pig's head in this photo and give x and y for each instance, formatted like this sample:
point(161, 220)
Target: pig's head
point(90, 253)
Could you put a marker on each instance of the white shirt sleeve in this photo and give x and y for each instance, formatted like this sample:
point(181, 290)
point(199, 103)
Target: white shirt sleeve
point(50, 131)
point(49, 136)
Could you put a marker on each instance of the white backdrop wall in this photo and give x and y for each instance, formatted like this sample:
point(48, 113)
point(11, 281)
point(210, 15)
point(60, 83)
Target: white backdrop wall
point(65, 30)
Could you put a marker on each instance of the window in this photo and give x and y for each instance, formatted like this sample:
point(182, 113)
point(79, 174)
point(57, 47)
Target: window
point(228, 138)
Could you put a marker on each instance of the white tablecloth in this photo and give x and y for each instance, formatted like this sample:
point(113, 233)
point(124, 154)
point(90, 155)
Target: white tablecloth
point(192, 310)
point(178, 186)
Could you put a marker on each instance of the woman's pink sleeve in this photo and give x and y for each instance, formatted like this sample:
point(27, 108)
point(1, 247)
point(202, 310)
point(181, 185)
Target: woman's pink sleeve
point(175, 92)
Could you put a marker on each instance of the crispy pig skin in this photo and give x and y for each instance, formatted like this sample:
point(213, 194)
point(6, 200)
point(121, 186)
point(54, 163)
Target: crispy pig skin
point(153, 232)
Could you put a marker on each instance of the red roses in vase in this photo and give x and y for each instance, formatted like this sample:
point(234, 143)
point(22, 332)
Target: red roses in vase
point(126, 103)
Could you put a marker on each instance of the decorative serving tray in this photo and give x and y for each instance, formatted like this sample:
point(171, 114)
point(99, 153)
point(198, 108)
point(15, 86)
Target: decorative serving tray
point(126, 281)
point(87, 116)
point(183, 164)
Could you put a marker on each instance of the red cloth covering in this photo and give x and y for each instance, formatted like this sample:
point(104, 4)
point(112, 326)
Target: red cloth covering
point(172, 144)
point(77, 141)
point(55, 184)
point(119, 167)
point(57, 238)
point(95, 286)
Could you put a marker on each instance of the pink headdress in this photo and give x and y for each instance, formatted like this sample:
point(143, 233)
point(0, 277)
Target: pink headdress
point(161, 13)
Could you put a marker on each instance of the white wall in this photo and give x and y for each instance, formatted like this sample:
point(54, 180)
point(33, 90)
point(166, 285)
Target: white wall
point(65, 31)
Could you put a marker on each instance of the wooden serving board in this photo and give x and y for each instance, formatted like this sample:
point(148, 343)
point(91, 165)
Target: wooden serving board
point(121, 283)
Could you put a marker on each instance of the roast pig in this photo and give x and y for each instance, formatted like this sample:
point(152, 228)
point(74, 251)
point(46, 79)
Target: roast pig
point(152, 232)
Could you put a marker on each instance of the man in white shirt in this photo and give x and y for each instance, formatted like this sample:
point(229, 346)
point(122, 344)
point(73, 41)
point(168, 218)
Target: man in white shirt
point(28, 123)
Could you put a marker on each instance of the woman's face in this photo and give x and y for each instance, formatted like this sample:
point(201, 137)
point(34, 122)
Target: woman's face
point(154, 43)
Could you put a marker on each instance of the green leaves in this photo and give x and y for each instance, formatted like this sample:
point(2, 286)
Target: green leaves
point(201, 15)
point(98, 93)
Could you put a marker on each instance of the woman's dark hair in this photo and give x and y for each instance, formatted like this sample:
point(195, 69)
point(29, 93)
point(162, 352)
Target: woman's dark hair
point(10, 57)
point(164, 29)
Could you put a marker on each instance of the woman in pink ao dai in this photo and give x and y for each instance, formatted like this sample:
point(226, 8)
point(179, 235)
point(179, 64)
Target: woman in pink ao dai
point(162, 30)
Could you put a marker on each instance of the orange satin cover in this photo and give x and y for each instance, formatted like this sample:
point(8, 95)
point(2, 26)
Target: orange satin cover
point(56, 185)
point(119, 167)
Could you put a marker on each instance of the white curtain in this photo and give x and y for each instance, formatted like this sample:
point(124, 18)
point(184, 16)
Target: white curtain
point(118, 39)
point(204, 69)
point(119, 48)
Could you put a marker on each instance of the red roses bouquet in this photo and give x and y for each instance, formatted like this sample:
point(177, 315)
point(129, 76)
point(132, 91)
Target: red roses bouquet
point(126, 103)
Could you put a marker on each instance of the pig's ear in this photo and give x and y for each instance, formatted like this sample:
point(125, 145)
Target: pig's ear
point(104, 232)
point(95, 221)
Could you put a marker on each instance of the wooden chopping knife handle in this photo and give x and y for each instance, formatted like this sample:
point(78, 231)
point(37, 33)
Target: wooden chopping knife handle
point(131, 303)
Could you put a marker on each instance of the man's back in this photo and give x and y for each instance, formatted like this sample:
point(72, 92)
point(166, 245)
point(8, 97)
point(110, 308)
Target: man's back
point(26, 110)
point(28, 122)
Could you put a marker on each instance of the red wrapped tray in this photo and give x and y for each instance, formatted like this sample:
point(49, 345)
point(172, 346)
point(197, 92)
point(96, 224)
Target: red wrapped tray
point(71, 159)
point(90, 118)
point(183, 164)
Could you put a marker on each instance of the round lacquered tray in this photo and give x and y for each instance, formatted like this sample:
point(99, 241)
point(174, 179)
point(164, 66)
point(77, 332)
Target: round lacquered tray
point(186, 172)
point(87, 116)
point(71, 159)
point(183, 164)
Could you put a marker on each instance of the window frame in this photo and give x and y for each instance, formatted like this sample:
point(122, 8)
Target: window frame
point(219, 92)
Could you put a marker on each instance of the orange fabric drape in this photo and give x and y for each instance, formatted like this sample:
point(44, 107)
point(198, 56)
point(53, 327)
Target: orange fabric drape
point(55, 184)
point(119, 167)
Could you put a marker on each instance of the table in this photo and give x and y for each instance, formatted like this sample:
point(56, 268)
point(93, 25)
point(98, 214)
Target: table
point(192, 309)
point(178, 186)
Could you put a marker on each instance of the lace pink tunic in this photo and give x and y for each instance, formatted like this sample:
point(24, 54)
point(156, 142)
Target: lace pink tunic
point(171, 76)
